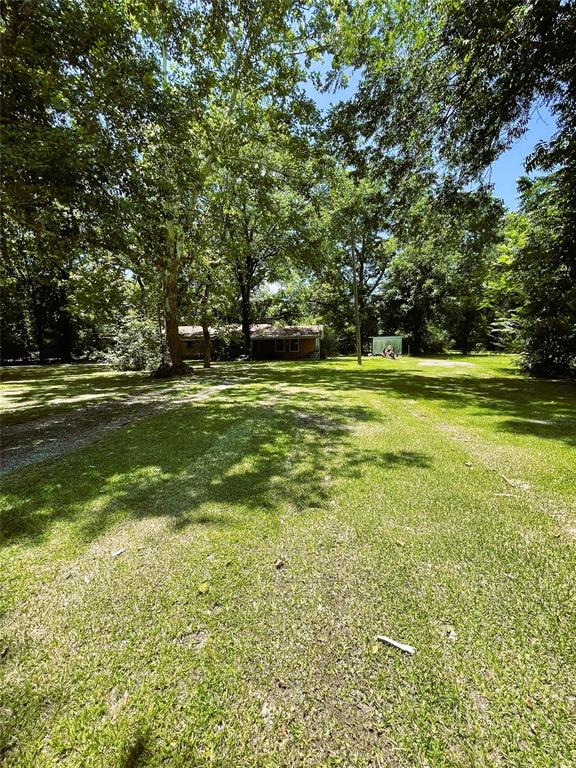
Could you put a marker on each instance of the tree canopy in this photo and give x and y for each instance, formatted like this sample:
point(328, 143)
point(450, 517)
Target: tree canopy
point(165, 163)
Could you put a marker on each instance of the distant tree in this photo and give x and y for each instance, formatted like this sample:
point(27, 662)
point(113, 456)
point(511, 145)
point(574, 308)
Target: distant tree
point(357, 216)
point(433, 291)
point(452, 85)
point(502, 293)
point(135, 344)
point(291, 301)
point(40, 287)
point(545, 267)
point(270, 221)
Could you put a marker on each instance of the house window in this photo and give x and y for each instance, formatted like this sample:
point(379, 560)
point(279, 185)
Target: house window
point(294, 345)
point(279, 346)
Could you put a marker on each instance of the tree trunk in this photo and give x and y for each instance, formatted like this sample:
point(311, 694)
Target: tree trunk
point(39, 328)
point(207, 344)
point(161, 337)
point(205, 328)
point(37, 311)
point(417, 338)
point(246, 319)
point(170, 290)
point(65, 332)
point(357, 320)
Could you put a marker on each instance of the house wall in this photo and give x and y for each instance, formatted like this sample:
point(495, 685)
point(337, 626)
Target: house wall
point(192, 348)
point(221, 349)
point(265, 349)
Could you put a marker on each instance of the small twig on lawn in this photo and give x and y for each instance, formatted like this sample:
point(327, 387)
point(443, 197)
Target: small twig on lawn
point(120, 552)
point(401, 646)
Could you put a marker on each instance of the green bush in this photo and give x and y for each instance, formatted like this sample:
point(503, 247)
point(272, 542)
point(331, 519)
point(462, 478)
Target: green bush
point(549, 349)
point(136, 345)
point(328, 343)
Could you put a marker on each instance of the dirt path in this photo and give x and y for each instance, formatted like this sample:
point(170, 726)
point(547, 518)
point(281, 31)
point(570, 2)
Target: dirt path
point(50, 437)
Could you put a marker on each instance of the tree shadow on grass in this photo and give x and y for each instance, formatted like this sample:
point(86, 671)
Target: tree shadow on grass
point(210, 463)
point(389, 459)
point(563, 429)
point(135, 751)
point(52, 390)
point(536, 407)
point(239, 453)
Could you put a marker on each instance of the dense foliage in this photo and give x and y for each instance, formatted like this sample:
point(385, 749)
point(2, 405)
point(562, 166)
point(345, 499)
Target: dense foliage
point(449, 86)
point(135, 346)
point(163, 163)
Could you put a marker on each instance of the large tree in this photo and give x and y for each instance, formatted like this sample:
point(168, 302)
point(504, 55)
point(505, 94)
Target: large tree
point(359, 246)
point(545, 268)
point(267, 198)
point(77, 86)
point(220, 70)
point(433, 291)
point(454, 84)
point(114, 116)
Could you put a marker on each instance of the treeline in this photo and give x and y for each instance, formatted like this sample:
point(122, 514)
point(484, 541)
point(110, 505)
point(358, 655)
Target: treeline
point(164, 164)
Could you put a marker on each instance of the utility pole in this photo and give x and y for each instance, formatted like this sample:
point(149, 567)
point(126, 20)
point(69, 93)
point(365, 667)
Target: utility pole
point(356, 302)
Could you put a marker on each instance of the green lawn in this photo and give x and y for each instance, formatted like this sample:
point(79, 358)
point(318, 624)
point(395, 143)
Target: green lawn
point(34, 392)
point(269, 532)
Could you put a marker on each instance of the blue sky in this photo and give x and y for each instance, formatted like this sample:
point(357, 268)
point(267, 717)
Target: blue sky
point(509, 166)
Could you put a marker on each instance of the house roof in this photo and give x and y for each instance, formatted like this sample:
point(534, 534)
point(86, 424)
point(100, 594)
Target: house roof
point(265, 331)
point(193, 331)
point(259, 331)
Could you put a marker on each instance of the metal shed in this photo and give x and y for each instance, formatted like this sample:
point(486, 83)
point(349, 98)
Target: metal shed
point(379, 344)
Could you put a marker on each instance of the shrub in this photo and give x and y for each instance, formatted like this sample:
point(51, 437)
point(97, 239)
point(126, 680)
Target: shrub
point(549, 350)
point(136, 345)
point(328, 343)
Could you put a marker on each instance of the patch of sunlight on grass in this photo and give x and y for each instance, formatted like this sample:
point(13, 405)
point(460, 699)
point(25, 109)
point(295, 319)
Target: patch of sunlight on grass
point(204, 587)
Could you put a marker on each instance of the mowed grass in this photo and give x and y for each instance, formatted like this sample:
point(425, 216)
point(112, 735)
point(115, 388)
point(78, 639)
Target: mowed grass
point(34, 392)
point(30, 392)
point(267, 534)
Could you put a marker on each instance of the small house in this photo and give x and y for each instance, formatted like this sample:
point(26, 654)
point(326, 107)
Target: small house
point(268, 341)
point(286, 342)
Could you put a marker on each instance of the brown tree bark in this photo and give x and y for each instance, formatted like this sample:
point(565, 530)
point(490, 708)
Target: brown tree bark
point(246, 309)
point(205, 326)
point(207, 345)
point(170, 290)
